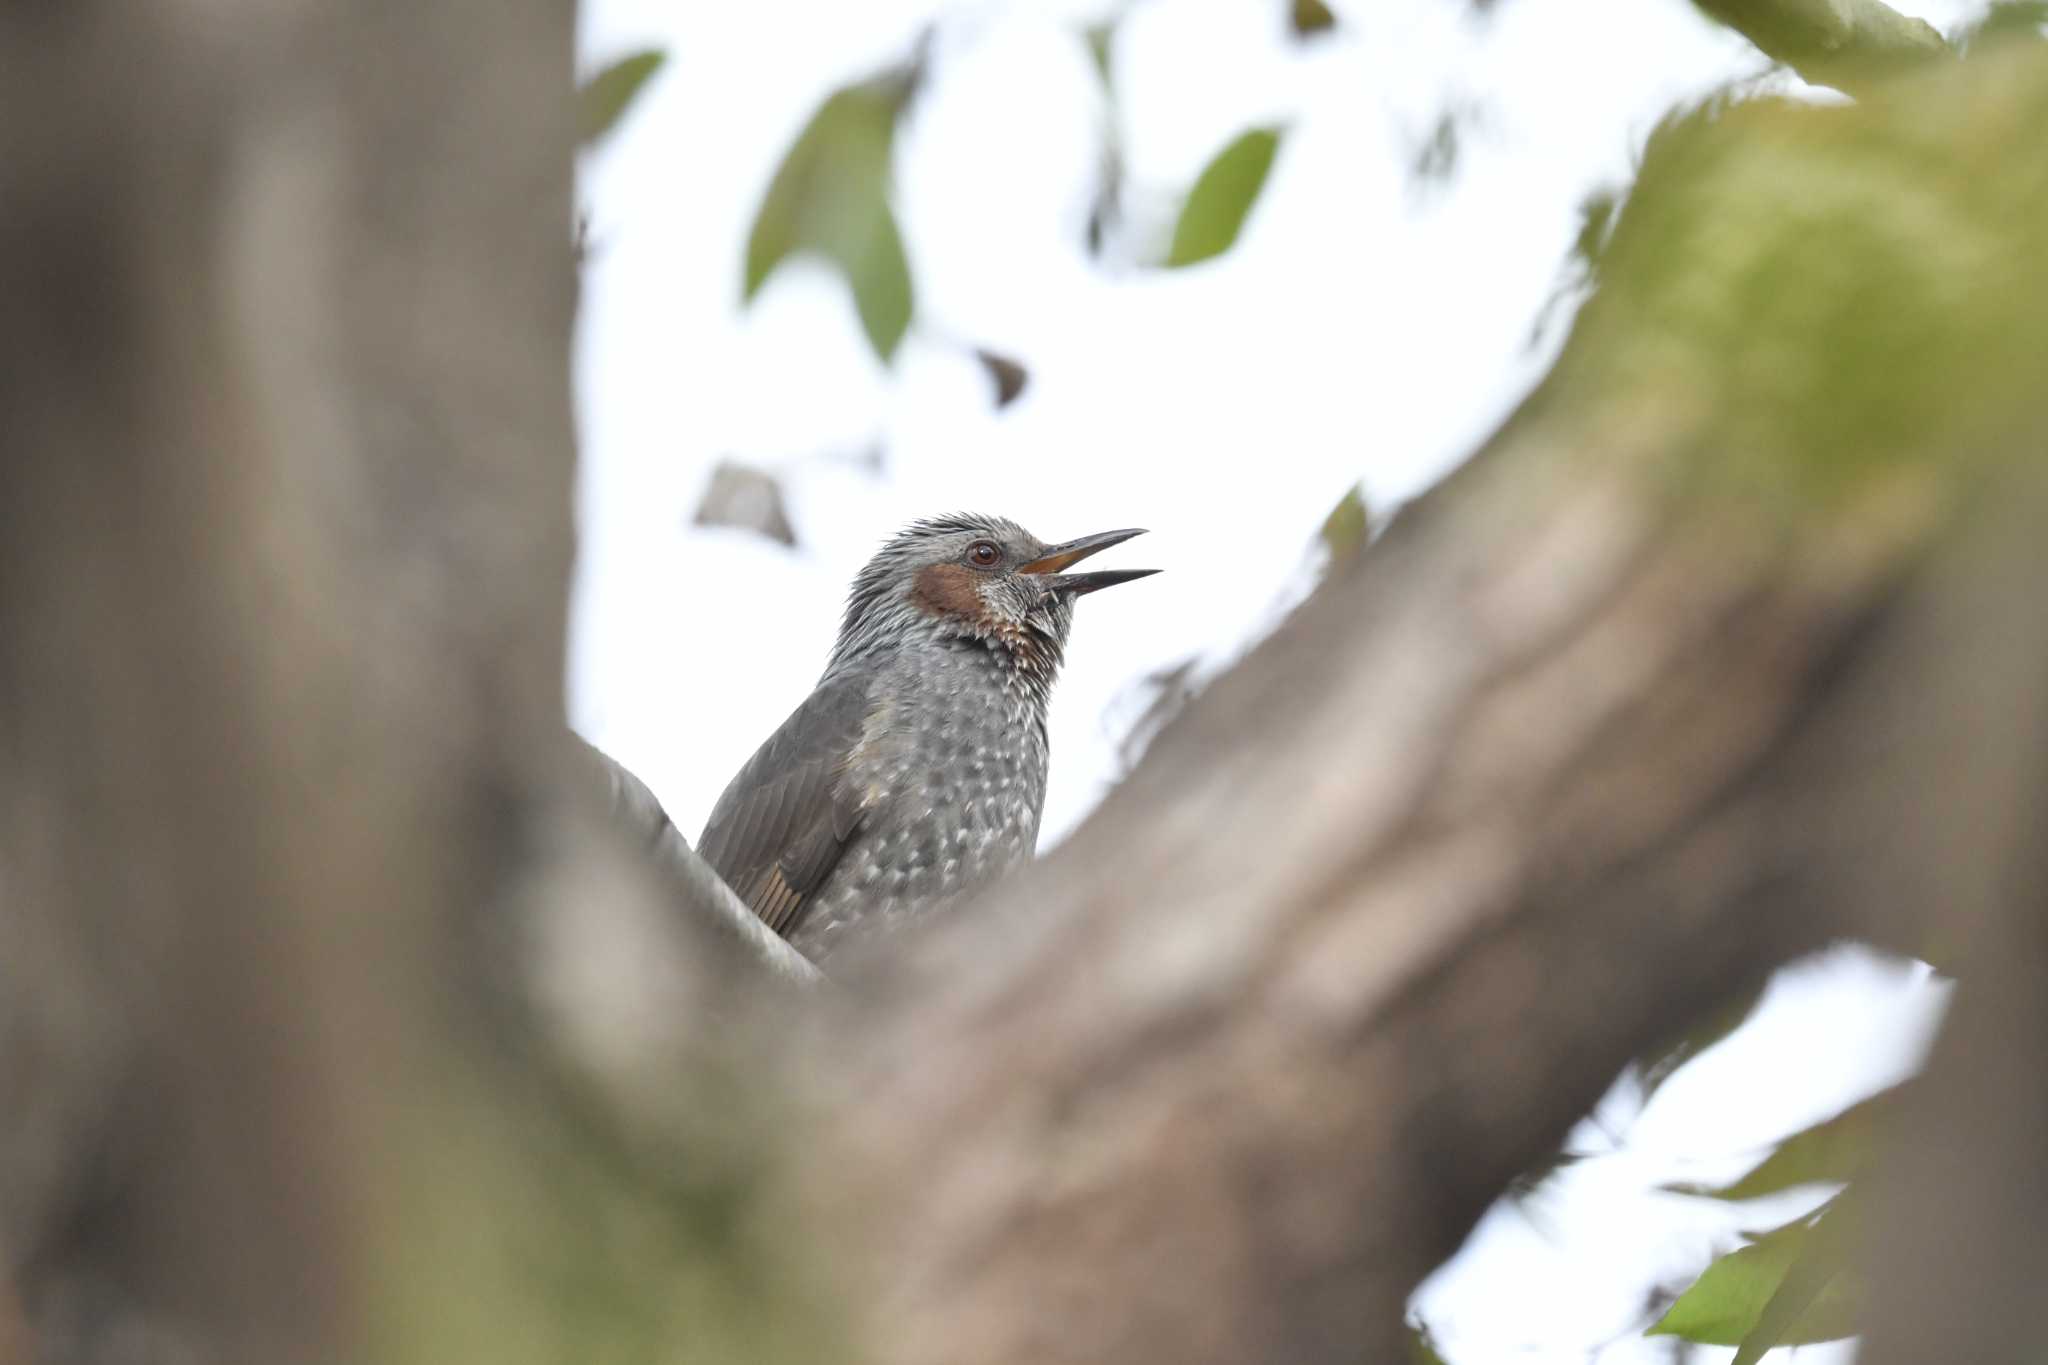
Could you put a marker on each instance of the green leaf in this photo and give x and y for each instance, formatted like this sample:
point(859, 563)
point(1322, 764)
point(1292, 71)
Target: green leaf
point(1660, 1066)
point(606, 95)
point(830, 197)
point(1344, 530)
point(1309, 17)
point(1792, 1287)
point(1831, 1151)
point(1223, 197)
point(1822, 1264)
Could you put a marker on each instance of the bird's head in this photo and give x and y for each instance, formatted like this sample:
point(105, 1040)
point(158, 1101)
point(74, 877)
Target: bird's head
point(975, 577)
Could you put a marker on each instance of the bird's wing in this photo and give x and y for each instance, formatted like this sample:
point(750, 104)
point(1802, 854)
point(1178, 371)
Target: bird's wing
point(779, 829)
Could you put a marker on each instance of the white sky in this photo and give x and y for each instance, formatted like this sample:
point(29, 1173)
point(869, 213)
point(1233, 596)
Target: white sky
point(1359, 330)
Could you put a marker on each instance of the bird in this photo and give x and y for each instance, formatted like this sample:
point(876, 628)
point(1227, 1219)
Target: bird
point(915, 770)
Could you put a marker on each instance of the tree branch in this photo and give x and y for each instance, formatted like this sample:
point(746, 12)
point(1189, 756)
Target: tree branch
point(1599, 732)
point(1849, 44)
point(699, 892)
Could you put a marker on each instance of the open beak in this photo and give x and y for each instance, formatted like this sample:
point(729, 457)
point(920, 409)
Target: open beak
point(1054, 561)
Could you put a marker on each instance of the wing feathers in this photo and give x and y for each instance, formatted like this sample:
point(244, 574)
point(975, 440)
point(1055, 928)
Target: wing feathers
point(779, 829)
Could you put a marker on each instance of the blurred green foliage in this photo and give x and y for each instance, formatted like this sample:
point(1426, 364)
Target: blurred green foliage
point(831, 198)
point(1840, 291)
point(1791, 1286)
point(1222, 198)
point(1345, 529)
point(1310, 17)
point(2005, 21)
point(545, 1231)
point(1100, 38)
point(1798, 1283)
point(604, 98)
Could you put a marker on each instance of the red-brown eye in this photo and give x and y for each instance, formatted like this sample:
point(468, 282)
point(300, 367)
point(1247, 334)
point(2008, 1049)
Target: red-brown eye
point(983, 554)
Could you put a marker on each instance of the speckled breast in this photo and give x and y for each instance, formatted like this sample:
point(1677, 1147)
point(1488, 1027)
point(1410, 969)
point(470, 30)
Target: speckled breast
point(958, 771)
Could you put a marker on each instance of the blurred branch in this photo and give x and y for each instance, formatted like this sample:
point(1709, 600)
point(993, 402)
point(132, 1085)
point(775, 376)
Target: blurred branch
point(699, 892)
point(1848, 44)
point(1955, 1248)
point(1636, 706)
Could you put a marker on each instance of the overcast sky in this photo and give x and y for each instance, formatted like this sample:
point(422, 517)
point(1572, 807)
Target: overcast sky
point(1367, 327)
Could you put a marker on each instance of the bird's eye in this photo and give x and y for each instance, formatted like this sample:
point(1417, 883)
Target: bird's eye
point(983, 554)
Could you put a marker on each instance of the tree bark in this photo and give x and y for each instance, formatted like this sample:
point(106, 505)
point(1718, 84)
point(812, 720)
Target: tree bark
point(283, 565)
point(1633, 709)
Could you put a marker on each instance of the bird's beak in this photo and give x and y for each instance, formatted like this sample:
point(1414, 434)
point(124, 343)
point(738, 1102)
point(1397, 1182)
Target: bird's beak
point(1055, 560)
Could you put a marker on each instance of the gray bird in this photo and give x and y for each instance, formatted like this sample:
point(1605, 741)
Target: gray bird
point(915, 770)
